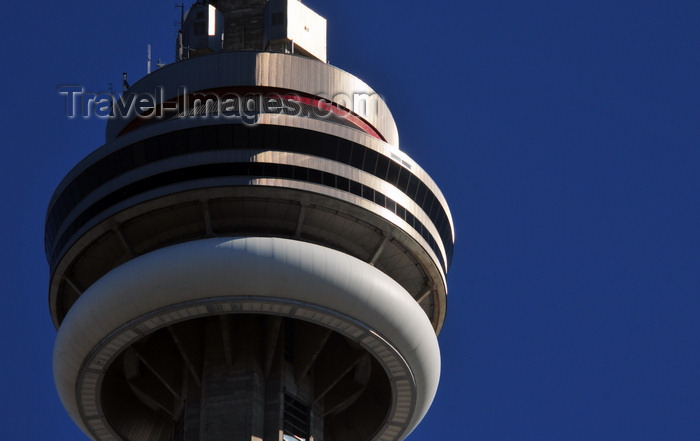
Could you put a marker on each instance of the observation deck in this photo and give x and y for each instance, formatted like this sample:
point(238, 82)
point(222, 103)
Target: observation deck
point(256, 232)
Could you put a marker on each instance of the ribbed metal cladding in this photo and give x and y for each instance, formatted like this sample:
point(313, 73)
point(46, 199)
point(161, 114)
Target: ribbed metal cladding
point(389, 196)
point(265, 69)
point(291, 165)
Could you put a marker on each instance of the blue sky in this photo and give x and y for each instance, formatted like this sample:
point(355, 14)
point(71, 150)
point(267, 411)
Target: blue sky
point(565, 136)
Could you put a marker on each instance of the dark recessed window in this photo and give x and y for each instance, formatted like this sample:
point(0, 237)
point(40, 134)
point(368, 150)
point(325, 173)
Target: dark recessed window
point(295, 422)
point(379, 199)
point(344, 150)
point(358, 155)
point(394, 171)
point(356, 188)
point(328, 179)
point(301, 173)
point(342, 183)
point(382, 167)
point(402, 183)
point(315, 176)
point(370, 162)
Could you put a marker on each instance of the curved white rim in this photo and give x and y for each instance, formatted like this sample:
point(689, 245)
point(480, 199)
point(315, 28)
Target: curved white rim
point(247, 275)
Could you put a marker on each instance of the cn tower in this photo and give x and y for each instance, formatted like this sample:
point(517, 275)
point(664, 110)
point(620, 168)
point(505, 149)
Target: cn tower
point(249, 256)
